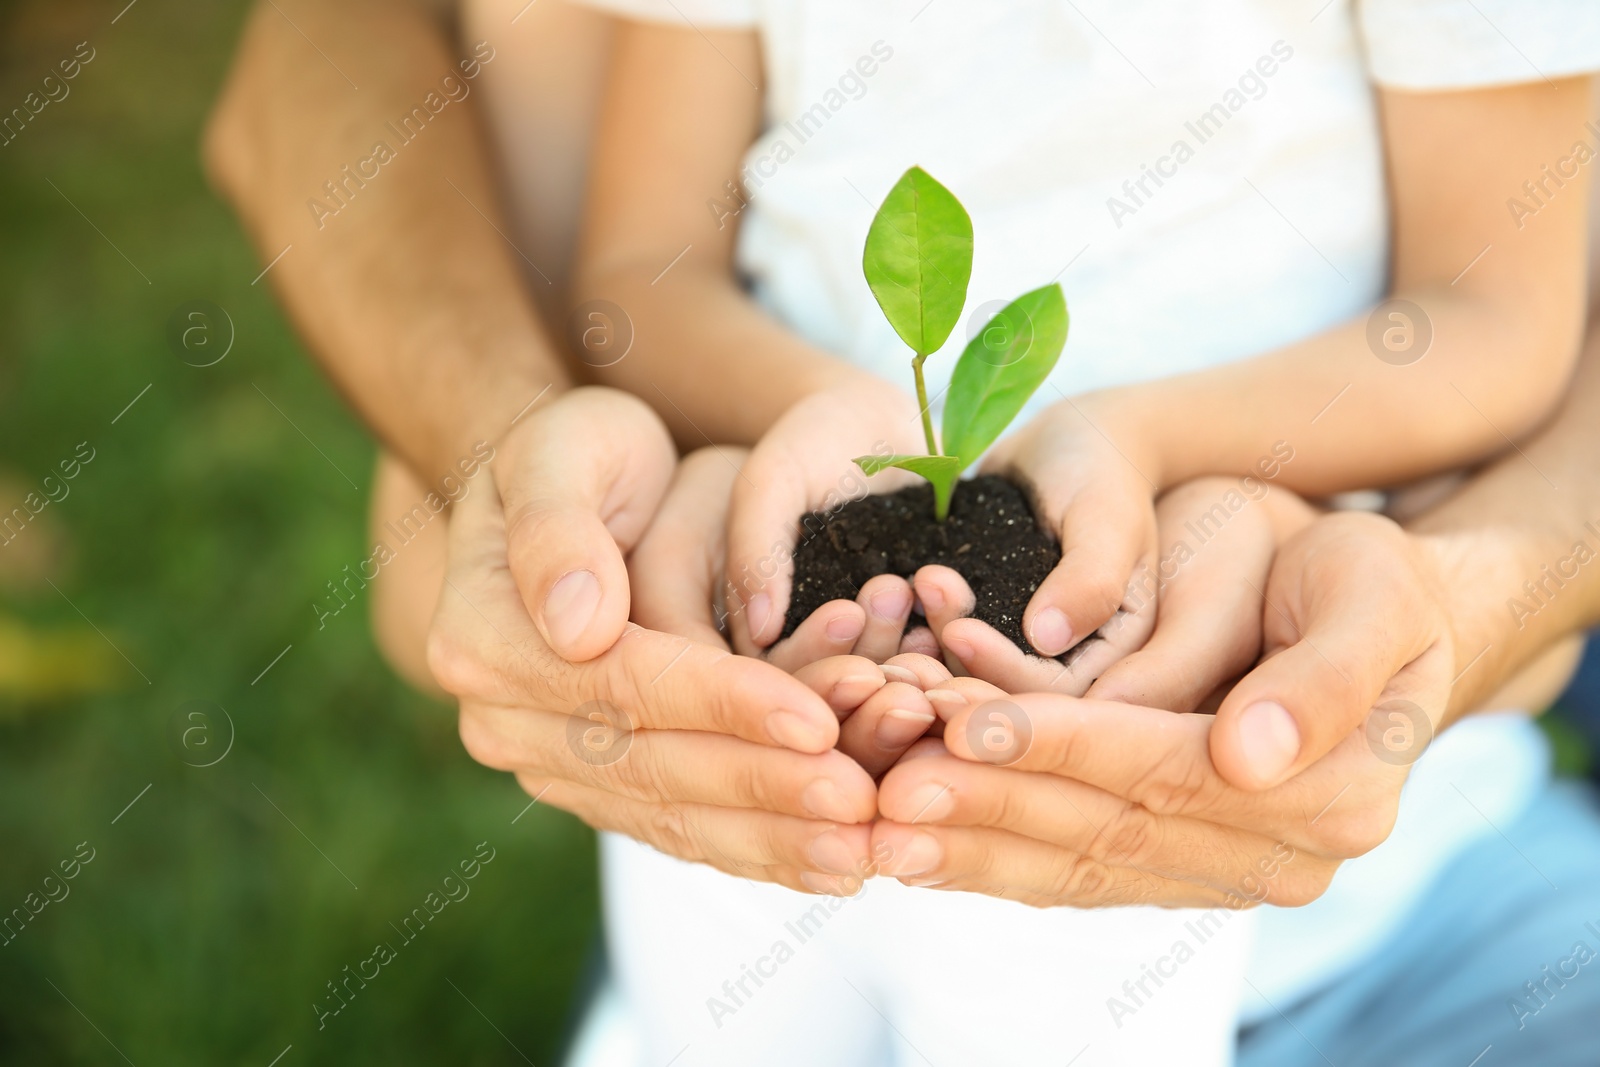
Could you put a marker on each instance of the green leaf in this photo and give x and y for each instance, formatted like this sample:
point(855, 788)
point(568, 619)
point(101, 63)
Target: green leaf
point(1001, 368)
point(918, 260)
point(941, 472)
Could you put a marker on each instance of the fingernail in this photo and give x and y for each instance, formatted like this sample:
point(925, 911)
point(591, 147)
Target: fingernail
point(829, 852)
point(920, 855)
point(932, 597)
point(898, 674)
point(845, 628)
point(892, 604)
point(792, 730)
point(931, 802)
point(1051, 634)
point(823, 799)
point(756, 613)
point(1269, 740)
point(828, 885)
point(901, 726)
point(945, 701)
point(569, 607)
point(957, 647)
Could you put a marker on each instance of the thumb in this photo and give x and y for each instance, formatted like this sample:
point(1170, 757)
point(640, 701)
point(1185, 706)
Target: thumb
point(580, 481)
point(1356, 614)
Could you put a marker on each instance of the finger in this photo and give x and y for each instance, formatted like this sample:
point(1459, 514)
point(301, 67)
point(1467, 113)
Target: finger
point(1002, 863)
point(960, 693)
point(1093, 823)
point(1359, 616)
point(976, 648)
point(886, 600)
point(921, 642)
point(767, 504)
point(944, 597)
point(1343, 806)
point(1108, 531)
point(578, 479)
point(843, 681)
point(674, 568)
point(831, 630)
point(887, 723)
point(1209, 627)
point(668, 766)
point(801, 854)
point(981, 651)
point(925, 672)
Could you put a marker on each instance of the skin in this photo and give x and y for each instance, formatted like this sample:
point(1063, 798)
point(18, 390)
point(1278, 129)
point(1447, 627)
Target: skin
point(1114, 804)
point(420, 311)
point(265, 154)
point(1098, 461)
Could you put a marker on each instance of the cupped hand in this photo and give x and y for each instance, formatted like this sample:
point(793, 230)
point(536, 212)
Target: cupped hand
point(1057, 800)
point(704, 755)
point(1096, 495)
point(803, 464)
point(679, 563)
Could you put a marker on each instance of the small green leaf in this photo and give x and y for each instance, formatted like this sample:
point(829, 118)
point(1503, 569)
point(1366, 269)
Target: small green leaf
point(941, 472)
point(918, 260)
point(1001, 368)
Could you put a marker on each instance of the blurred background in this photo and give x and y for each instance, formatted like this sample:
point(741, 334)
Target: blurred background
point(157, 618)
point(262, 800)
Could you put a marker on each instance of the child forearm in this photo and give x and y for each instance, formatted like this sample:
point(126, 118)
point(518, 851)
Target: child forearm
point(1355, 417)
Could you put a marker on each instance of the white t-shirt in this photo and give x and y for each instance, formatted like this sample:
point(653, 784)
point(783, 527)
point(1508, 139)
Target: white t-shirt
point(1206, 182)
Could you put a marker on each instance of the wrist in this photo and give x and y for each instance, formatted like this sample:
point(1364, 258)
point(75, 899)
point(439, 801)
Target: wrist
point(1478, 575)
point(1119, 417)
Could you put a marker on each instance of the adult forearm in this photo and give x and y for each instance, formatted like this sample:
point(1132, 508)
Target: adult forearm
point(1520, 544)
point(396, 272)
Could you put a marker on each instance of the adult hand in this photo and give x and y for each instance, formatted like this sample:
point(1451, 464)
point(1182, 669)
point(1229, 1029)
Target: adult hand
point(1056, 800)
point(704, 755)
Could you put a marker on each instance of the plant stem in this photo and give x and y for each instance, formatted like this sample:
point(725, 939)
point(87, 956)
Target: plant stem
point(922, 401)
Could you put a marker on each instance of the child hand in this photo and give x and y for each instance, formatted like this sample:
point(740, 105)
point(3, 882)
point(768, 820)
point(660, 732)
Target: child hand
point(1099, 601)
point(1216, 540)
point(804, 464)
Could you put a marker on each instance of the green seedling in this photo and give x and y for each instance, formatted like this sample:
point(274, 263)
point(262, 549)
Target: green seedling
point(918, 260)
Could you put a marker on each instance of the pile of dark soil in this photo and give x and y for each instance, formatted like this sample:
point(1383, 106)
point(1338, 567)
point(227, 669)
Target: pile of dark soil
point(991, 538)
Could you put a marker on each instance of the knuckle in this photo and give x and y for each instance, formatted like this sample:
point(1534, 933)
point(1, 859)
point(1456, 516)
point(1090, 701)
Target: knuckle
point(484, 744)
point(1079, 879)
point(455, 665)
point(1166, 789)
point(1357, 831)
point(669, 832)
point(1132, 836)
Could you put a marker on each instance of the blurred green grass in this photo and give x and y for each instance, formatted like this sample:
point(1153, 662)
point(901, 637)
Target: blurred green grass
point(196, 541)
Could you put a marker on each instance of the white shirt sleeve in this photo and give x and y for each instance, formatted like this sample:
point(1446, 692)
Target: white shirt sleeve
point(1462, 44)
point(721, 14)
